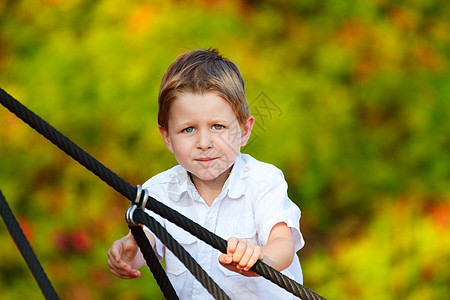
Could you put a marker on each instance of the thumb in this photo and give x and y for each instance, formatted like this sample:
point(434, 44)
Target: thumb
point(225, 259)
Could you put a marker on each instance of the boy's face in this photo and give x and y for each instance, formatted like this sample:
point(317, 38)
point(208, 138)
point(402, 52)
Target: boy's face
point(205, 136)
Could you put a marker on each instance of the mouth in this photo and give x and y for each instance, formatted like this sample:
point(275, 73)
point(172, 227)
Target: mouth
point(206, 159)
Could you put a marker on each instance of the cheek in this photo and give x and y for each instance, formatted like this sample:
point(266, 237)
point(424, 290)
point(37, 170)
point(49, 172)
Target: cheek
point(181, 148)
point(232, 138)
point(230, 143)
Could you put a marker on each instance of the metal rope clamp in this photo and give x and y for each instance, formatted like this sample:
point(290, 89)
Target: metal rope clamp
point(140, 202)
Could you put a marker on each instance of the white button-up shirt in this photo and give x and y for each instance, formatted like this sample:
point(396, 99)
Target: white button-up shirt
point(253, 199)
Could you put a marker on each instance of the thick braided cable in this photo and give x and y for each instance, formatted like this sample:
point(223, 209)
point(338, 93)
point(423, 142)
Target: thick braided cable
point(25, 249)
point(85, 159)
point(153, 263)
point(66, 145)
point(90, 163)
point(190, 263)
point(220, 244)
point(129, 192)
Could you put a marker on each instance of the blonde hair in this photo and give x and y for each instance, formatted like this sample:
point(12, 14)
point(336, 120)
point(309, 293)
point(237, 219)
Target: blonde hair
point(199, 72)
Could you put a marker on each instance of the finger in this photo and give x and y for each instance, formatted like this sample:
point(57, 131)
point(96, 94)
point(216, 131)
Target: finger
point(231, 245)
point(119, 267)
point(246, 256)
point(115, 252)
point(135, 273)
point(112, 261)
point(240, 250)
point(114, 257)
point(120, 274)
point(126, 275)
point(110, 264)
point(125, 271)
point(131, 273)
point(257, 255)
point(115, 269)
point(225, 259)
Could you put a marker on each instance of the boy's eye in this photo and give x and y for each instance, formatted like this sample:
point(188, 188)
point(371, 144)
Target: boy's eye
point(217, 127)
point(188, 130)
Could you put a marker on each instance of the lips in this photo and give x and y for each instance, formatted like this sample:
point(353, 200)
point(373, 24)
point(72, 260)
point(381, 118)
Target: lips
point(206, 159)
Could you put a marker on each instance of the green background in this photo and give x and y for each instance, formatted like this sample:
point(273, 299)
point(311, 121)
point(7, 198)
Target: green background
point(351, 99)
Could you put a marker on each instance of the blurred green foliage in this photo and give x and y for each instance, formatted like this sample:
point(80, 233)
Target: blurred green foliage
point(351, 100)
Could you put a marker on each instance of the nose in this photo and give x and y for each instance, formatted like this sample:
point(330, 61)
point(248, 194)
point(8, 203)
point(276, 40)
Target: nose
point(204, 140)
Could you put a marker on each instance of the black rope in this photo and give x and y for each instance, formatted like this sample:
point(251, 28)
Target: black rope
point(129, 192)
point(25, 249)
point(153, 263)
point(66, 145)
point(89, 162)
point(184, 256)
point(220, 244)
point(189, 262)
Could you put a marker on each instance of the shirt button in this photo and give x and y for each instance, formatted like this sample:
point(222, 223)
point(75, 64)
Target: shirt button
point(172, 175)
point(246, 169)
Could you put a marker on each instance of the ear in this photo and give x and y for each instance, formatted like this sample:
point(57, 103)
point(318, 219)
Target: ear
point(247, 130)
point(166, 137)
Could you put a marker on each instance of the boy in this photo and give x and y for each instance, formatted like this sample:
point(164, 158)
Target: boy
point(204, 120)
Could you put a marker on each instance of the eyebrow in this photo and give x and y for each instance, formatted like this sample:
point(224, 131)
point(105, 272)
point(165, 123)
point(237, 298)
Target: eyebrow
point(189, 123)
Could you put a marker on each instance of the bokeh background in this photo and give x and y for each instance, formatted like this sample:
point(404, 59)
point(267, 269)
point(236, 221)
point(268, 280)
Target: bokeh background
point(352, 102)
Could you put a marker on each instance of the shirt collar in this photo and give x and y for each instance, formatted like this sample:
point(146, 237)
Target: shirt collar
point(178, 183)
point(235, 186)
point(181, 183)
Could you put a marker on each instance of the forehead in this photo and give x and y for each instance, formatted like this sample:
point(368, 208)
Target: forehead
point(199, 107)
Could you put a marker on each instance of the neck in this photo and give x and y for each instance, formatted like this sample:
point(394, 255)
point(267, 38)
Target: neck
point(210, 189)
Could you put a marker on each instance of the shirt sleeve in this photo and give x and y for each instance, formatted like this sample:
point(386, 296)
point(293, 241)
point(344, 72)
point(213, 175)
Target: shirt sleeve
point(274, 206)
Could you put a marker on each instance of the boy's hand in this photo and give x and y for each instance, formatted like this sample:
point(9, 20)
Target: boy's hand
point(122, 258)
point(241, 256)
